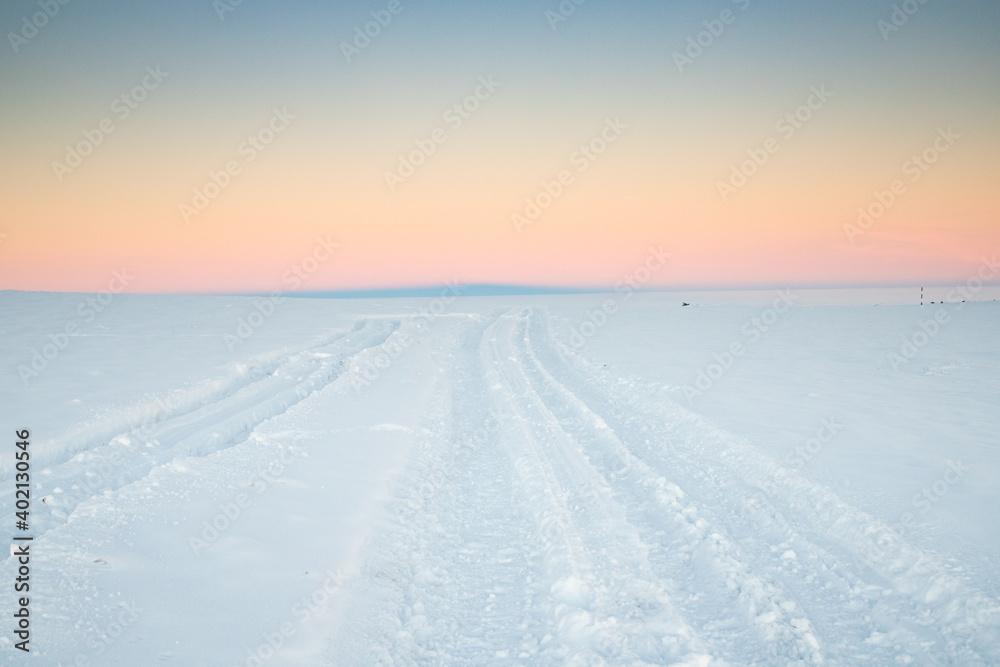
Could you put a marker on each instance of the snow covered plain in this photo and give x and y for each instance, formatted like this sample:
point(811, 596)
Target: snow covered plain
point(353, 483)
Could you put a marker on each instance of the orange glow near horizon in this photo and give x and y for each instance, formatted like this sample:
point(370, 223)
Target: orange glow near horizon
point(662, 176)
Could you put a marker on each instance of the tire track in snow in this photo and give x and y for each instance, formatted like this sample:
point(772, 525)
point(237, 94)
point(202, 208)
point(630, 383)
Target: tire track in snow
point(452, 578)
point(224, 420)
point(607, 605)
point(496, 557)
point(738, 611)
point(144, 416)
point(944, 620)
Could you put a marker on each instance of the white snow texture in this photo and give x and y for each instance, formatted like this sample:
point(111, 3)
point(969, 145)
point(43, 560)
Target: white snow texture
point(502, 483)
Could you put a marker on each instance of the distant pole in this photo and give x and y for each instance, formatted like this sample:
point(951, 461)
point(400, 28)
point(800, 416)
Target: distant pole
point(921, 295)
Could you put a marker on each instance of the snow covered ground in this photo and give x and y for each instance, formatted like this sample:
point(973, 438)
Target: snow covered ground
point(765, 478)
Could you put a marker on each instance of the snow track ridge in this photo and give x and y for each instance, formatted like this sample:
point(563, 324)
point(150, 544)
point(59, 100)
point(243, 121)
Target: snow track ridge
point(878, 574)
point(206, 424)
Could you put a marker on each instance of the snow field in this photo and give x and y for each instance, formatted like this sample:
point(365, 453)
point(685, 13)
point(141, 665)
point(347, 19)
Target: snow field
point(482, 491)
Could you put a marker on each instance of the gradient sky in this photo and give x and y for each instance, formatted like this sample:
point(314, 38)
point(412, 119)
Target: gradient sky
point(656, 185)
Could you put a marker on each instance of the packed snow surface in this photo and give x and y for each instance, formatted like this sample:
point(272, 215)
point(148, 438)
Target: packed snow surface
point(564, 480)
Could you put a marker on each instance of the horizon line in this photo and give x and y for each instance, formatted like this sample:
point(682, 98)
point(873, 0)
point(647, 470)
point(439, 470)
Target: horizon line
point(504, 289)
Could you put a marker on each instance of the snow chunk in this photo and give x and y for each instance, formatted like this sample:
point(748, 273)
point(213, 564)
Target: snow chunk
point(572, 590)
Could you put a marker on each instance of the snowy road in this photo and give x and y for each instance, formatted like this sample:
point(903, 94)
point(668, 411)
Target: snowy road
point(489, 496)
point(592, 526)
